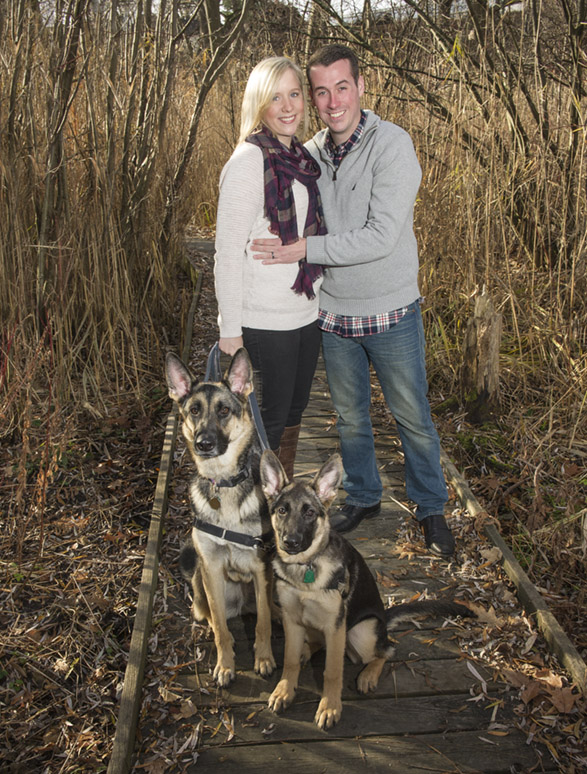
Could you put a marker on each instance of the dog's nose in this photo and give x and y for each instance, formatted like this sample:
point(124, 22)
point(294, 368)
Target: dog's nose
point(204, 445)
point(291, 543)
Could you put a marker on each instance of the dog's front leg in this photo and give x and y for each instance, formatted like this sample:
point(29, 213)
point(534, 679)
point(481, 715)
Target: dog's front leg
point(285, 690)
point(264, 661)
point(330, 707)
point(215, 586)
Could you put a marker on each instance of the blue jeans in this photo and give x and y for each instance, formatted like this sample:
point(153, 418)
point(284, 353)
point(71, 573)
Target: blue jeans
point(398, 357)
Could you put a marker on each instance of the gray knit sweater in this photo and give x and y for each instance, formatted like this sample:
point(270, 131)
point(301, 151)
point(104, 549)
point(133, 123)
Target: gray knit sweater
point(370, 251)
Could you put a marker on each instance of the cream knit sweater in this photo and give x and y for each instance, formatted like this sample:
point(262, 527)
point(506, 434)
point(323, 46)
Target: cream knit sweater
point(249, 293)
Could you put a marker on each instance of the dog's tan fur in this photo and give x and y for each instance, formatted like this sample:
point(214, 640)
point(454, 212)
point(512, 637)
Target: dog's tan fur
point(222, 440)
point(337, 605)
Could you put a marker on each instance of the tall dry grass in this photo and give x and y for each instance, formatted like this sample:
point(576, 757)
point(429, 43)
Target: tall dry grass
point(502, 205)
point(502, 209)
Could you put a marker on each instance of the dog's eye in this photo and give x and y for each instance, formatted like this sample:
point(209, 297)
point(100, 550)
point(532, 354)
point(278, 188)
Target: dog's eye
point(223, 411)
point(195, 409)
point(281, 511)
point(309, 513)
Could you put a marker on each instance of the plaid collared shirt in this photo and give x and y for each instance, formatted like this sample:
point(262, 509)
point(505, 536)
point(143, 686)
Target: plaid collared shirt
point(338, 152)
point(344, 325)
point(348, 326)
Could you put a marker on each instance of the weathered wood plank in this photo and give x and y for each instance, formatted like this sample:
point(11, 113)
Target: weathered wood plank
point(413, 677)
point(251, 723)
point(465, 751)
point(558, 641)
point(126, 725)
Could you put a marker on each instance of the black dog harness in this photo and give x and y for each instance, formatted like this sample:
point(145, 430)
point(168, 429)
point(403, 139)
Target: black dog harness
point(265, 541)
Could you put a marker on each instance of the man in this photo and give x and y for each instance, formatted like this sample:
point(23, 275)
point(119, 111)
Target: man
point(370, 300)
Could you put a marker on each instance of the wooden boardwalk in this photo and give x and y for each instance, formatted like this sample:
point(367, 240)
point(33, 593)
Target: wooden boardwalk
point(434, 711)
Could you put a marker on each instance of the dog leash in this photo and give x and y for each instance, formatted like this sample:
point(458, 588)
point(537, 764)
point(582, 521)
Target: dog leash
point(263, 542)
point(214, 374)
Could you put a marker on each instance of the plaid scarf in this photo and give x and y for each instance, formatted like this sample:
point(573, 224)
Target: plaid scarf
point(281, 166)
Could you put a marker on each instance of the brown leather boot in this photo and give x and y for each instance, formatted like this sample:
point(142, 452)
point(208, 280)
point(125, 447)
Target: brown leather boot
point(288, 448)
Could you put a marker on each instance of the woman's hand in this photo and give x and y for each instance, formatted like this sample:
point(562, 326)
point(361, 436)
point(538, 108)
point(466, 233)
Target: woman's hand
point(230, 345)
point(271, 251)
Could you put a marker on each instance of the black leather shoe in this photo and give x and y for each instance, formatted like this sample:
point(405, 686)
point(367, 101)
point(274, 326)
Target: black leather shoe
point(348, 516)
point(439, 538)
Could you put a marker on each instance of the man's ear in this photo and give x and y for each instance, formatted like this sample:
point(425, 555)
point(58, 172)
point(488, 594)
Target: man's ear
point(361, 85)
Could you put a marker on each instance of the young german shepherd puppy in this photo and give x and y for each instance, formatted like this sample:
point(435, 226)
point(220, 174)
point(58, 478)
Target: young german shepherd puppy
point(327, 594)
point(226, 549)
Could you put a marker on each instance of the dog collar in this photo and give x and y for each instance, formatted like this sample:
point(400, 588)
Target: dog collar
point(232, 481)
point(214, 499)
point(262, 541)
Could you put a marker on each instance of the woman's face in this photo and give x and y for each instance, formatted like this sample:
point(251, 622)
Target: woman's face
point(286, 110)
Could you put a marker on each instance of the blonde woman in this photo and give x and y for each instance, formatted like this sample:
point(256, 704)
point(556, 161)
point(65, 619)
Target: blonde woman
point(268, 188)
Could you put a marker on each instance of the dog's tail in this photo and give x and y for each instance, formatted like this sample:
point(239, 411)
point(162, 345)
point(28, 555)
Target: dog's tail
point(430, 608)
point(188, 559)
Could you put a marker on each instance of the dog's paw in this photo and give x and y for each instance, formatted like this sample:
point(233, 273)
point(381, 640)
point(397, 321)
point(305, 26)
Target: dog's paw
point(264, 665)
point(365, 684)
point(282, 696)
point(224, 675)
point(369, 677)
point(328, 713)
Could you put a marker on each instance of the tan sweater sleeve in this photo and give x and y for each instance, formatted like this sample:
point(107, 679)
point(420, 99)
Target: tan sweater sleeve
point(240, 205)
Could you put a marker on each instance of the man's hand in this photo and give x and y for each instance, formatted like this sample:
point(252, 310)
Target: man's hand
point(271, 251)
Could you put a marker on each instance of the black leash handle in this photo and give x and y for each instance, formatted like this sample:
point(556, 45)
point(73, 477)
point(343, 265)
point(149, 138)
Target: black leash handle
point(214, 374)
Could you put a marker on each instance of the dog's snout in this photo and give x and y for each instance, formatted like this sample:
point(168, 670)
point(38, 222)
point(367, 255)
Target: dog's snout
point(292, 543)
point(205, 445)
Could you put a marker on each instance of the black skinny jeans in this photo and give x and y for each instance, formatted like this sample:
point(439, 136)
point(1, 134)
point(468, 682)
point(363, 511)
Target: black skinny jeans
point(284, 363)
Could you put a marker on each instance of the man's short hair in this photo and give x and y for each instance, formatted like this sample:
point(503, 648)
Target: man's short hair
point(331, 53)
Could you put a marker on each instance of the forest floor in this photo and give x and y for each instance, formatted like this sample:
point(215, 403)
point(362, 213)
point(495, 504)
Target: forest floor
point(70, 570)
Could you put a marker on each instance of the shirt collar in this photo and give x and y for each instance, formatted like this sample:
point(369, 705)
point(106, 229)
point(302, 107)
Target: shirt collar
point(338, 152)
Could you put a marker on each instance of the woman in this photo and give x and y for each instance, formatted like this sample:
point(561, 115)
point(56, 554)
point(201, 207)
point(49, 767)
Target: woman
point(268, 188)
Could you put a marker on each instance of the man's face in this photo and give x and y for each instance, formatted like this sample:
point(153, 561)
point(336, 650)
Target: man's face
point(337, 98)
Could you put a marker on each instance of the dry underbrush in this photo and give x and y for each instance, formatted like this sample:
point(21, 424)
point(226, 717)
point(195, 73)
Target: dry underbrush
point(70, 574)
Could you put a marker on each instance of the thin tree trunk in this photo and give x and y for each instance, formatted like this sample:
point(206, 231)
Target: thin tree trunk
point(58, 115)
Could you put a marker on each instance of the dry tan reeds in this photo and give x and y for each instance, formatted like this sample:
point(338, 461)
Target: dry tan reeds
point(500, 132)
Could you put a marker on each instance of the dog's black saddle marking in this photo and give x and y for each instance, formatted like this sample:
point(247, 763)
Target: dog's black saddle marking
point(262, 541)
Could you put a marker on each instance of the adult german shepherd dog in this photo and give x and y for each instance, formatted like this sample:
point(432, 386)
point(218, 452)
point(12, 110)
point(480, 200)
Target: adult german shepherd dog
point(327, 594)
point(226, 553)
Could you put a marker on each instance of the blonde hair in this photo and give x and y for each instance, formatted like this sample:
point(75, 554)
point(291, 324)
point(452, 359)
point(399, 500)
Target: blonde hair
point(260, 89)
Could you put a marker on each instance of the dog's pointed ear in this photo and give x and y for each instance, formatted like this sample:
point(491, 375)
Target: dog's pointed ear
point(179, 380)
point(240, 373)
point(328, 479)
point(273, 477)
